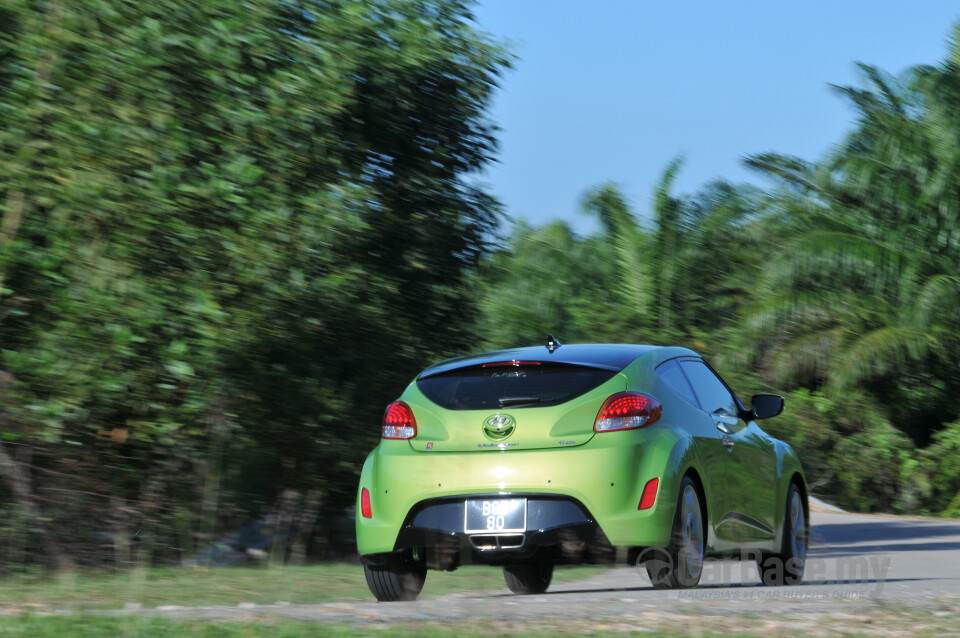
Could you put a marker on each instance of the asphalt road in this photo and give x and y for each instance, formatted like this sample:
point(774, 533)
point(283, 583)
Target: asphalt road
point(857, 564)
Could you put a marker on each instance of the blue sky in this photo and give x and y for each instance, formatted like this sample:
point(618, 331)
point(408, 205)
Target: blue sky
point(612, 90)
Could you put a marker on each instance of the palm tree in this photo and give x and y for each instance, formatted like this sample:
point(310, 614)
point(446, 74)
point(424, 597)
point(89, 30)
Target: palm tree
point(630, 244)
point(866, 293)
point(667, 214)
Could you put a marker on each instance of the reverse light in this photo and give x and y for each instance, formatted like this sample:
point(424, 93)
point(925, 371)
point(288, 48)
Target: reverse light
point(627, 411)
point(398, 421)
point(365, 508)
point(649, 494)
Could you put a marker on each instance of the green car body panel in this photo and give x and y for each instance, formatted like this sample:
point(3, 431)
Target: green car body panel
point(554, 450)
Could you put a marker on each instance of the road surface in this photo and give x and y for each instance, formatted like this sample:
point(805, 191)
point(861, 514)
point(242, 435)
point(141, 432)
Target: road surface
point(860, 567)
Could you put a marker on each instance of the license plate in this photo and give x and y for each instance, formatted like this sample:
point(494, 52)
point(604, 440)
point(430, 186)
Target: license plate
point(496, 515)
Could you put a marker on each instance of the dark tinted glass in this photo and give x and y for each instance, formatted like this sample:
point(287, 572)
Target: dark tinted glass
point(493, 388)
point(709, 389)
point(673, 377)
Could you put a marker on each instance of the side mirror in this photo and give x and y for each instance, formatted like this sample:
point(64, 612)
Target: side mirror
point(766, 405)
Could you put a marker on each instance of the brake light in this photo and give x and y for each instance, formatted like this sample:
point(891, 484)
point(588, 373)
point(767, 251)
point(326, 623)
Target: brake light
point(365, 508)
point(649, 494)
point(398, 421)
point(627, 411)
point(498, 364)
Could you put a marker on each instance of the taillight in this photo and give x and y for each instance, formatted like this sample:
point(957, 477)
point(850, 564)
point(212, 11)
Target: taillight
point(398, 421)
point(627, 411)
point(649, 494)
point(365, 508)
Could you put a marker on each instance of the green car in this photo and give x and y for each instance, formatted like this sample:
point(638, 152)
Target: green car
point(565, 454)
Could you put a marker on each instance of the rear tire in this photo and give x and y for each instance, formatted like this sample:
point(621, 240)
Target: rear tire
point(401, 578)
point(682, 565)
point(528, 578)
point(787, 567)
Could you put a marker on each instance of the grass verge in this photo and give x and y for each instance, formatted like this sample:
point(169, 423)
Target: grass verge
point(191, 587)
point(925, 622)
point(87, 626)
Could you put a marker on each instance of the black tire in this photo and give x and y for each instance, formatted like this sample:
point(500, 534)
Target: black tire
point(786, 568)
point(400, 579)
point(680, 565)
point(528, 578)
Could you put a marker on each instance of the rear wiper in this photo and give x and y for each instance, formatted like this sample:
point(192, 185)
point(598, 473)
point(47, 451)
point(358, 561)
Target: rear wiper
point(506, 401)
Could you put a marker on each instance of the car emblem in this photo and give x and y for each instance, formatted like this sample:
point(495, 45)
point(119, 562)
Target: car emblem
point(499, 426)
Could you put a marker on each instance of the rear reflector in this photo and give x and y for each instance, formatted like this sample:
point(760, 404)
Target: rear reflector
point(365, 508)
point(398, 421)
point(649, 494)
point(627, 411)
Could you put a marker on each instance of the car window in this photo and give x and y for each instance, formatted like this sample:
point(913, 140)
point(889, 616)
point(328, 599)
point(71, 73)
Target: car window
point(674, 378)
point(490, 388)
point(713, 395)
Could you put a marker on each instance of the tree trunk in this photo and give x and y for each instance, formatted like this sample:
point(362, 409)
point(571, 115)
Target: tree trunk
point(11, 222)
point(304, 527)
point(20, 487)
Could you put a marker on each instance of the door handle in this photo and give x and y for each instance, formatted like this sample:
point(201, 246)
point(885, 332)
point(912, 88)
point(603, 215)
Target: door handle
point(727, 442)
point(723, 427)
point(727, 419)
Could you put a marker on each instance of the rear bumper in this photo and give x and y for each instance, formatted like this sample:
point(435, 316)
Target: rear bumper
point(556, 528)
point(602, 480)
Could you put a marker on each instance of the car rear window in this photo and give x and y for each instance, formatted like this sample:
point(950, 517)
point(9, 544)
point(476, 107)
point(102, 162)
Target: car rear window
point(510, 386)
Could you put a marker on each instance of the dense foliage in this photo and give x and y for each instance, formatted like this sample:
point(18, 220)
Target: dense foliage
point(231, 233)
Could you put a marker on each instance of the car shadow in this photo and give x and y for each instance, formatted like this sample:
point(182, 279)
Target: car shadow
point(713, 586)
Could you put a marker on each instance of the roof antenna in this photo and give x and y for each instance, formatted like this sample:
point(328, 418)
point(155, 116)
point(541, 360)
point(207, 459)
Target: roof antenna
point(552, 343)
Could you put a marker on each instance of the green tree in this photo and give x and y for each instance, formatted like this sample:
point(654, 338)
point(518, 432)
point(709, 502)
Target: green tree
point(867, 294)
point(229, 235)
point(667, 210)
point(548, 280)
